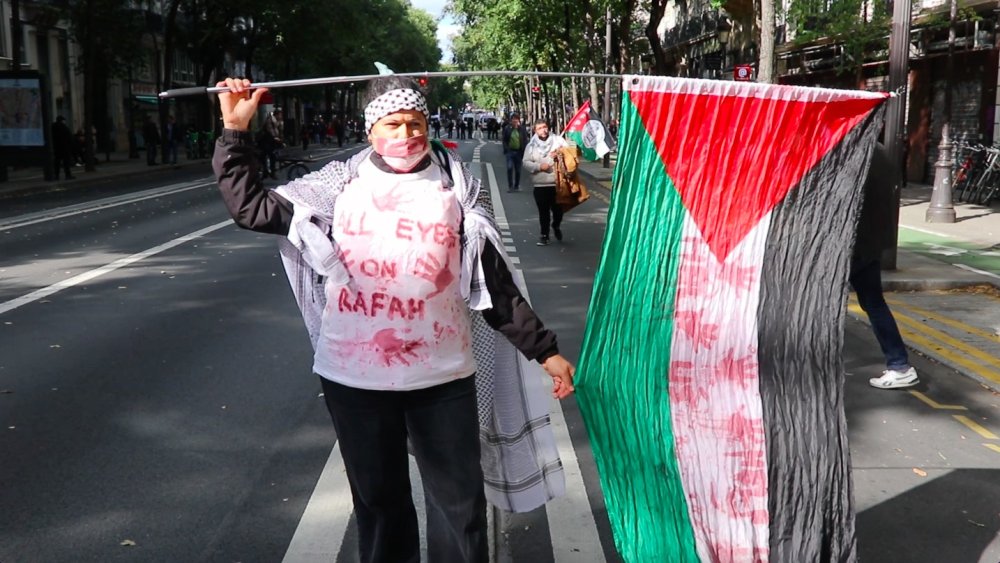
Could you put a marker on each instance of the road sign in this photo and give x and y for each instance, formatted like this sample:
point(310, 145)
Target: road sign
point(743, 73)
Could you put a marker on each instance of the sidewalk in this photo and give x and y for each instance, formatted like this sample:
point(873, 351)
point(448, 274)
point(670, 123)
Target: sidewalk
point(945, 290)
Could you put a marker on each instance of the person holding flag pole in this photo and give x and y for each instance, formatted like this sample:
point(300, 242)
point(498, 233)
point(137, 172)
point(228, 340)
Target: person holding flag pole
point(399, 270)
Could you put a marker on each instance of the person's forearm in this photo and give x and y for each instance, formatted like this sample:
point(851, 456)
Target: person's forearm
point(511, 315)
point(249, 204)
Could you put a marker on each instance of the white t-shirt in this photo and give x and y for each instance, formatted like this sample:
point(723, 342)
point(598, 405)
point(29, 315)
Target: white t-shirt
point(402, 324)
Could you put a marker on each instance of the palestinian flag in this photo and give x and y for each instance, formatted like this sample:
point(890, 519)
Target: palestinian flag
point(587, 131)
point(710, 377)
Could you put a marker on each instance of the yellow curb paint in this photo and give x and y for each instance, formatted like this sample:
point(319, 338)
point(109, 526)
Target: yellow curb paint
point(936, 405)
point(975, 427)
point(993, 447)
point(989, 369)
point(945, 320)
point(936, 347)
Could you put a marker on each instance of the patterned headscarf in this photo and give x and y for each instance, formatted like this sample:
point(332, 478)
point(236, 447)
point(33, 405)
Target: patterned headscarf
point(393, 101)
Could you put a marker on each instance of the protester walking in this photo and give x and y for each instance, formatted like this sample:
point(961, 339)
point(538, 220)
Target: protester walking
point(394, 344)
point(866, 279)
point(514, 140)
point(539, 160)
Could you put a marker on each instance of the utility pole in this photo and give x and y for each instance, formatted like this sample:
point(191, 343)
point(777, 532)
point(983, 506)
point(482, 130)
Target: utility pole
point(942, 209)
point(895, 123)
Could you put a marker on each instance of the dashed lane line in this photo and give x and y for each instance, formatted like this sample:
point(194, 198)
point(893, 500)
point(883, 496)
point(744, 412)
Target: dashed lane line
point(572, 528)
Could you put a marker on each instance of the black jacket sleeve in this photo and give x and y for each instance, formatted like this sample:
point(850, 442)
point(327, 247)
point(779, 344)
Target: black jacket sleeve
point(251, 206)
point(511, 315)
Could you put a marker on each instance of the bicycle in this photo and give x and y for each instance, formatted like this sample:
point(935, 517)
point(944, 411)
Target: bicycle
point(296, 166)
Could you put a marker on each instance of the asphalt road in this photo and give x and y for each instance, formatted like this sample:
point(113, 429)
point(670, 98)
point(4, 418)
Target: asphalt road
point(156, 401)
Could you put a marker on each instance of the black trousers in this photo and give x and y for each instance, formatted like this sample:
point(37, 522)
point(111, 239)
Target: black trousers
point(442, 425)
point(548, 212)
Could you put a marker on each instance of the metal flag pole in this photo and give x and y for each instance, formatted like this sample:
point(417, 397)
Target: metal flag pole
point(177, 92)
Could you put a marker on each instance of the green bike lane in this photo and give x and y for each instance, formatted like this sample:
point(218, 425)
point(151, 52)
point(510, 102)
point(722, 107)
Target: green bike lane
point(981, 257)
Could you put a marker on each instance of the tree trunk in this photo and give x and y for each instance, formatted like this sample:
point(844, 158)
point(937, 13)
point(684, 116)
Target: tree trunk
point(89, 75)
point(166, 83)
point(765, 66)
point(575, 93)
point(625, 36)
point(527, 99)
point(656, 10)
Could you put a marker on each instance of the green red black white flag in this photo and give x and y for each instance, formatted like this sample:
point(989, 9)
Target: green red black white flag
point(589, 133)
point(710, 377)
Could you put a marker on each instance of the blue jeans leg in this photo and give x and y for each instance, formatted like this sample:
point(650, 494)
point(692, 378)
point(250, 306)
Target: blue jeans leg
point(867, 283)
point(513, 170)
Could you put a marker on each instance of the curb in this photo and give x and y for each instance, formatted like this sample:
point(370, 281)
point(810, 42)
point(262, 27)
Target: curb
point(934, 285)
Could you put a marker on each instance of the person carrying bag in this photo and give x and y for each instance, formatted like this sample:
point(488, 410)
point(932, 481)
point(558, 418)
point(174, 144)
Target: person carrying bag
point(570, 190)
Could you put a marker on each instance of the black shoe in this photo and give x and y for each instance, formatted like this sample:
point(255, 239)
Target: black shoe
point(544, 241)
point(558, 232)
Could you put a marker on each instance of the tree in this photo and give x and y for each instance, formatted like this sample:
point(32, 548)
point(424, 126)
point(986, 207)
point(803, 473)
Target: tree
point(109, 33)
point(860, 27)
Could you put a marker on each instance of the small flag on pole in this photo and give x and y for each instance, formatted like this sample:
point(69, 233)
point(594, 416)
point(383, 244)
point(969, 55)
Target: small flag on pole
point(589, 133)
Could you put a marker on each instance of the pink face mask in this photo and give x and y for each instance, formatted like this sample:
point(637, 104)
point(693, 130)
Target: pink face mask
point(402, 154)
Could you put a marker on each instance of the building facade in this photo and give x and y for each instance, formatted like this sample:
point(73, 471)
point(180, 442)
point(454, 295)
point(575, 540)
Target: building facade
point(707, 42)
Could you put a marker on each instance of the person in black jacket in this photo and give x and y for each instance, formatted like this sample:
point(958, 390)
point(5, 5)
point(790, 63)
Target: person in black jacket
point(62, 146)
point(515, 139)
point(866, 279)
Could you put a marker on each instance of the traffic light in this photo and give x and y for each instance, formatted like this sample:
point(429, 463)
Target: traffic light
point(422, 81)
point(536, 92)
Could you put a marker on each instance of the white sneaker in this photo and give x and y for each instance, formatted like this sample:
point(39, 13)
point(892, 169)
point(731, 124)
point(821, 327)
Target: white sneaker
point(892, 379)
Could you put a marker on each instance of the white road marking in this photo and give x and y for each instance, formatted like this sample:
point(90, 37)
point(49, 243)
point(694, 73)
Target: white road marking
point(321, 529)
point(90, 206)
point(925, 231)
point(572, 528)
point(976, 270)
point(319, 537)
point(97, 272)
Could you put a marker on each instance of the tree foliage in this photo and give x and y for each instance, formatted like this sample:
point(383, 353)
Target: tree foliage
point(860, 26)
point(540, 35)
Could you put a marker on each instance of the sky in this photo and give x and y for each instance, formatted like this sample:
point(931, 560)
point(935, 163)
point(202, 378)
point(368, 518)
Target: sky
point(446, 26)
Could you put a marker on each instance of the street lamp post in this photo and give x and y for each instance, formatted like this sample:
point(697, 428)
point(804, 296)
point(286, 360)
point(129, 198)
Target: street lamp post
point(942, 209)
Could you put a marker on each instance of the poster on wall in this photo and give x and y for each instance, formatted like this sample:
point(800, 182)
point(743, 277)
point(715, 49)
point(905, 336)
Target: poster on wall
point(21, 120)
